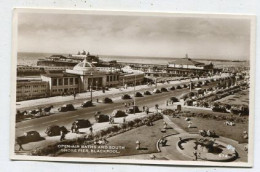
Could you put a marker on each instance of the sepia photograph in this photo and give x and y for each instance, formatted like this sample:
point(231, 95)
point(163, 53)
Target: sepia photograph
point(132, 87)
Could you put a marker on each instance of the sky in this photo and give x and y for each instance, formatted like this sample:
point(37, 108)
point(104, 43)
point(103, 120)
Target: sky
point(148, 36)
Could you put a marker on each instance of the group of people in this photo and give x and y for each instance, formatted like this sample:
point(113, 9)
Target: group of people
point(146, 109)
point(128, 104)
point(111, 119)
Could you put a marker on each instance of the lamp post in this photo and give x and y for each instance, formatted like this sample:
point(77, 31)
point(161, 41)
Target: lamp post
point(190, 84)
point(134, 95)
point(91, 84)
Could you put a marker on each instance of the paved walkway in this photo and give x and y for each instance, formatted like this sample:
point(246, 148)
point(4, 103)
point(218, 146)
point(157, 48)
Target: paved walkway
point(173, 125)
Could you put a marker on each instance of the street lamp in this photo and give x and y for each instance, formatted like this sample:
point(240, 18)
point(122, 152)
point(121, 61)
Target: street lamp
point(91, 84)
point(134, 95)
point(190, 84)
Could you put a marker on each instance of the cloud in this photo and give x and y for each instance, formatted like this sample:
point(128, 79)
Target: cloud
point(133, 35)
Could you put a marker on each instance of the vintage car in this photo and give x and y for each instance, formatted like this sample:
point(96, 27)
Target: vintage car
point(138, 94)
point(55, 130)
point(133, 109)
point(156, 91)
point(99, 117)
point(178, 87)
point(87, 104)
point(126, 96)
point(118, 113)
point(163, 89)
point(107, 100)
point(30, 136)
point(147, 93)
point(171, 88)
point(65, 108)
point(82, 123)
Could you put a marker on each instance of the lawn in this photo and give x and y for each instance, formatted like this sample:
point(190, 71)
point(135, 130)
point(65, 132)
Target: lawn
point(240, 98)
point(232, 132)
point(147, 135)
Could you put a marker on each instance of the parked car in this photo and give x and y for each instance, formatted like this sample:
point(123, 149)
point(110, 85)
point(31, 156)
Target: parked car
point(171, 88)
point(147, 93)
point(118, 113)
point(133, 109)
point(156, 91)
point(99, 117)
point(178, 87)
point(87, 104)
point(82, 123)
point(54, 130)
point(138, 94)
point(163, 89)
point(30, 136)
point(107, 100)
point(184, 86)
point(126, 96)
point(67, 107)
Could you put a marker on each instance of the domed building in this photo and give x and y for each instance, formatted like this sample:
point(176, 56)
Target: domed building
point(85, 75)
point(89, 75)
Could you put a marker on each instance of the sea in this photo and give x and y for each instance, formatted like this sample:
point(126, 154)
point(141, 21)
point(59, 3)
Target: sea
point(25, 58)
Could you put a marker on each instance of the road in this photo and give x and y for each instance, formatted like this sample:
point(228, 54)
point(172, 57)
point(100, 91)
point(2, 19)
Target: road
point(66, 118)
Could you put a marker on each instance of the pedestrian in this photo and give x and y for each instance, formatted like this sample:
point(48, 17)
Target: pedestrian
point(62, 137)
point(166, 102)
point(164, 125)
point(73, 128)
point(97, 100)
point(143, 108)
point(124, 120)
point(19, 142)
point(126, 105)
point(76, 128)
point(91, 130)
point(195, 155)
point(74, 95)
point(147, 110)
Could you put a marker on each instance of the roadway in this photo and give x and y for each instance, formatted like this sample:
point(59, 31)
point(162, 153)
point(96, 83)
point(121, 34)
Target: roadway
point(67, 118)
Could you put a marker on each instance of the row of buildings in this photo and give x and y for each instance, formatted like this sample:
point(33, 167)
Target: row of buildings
point(80, 78)
point(59, 77)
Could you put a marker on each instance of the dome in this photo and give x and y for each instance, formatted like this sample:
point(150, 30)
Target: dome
point(84, 66)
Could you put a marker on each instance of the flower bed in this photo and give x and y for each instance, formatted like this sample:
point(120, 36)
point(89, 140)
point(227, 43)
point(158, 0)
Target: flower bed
point(53, 150)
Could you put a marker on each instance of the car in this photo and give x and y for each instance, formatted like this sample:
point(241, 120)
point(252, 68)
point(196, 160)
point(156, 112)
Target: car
point(107, 100)
point(101, 117)
point(138, 94)
point(156, 91)
point(82, 123)
point(163, 89)
point(126, 96)
point(147, 93)
point(87, 104)
point(133, 109)
point(67, 107)
point(55, 130)
point(30, 136)
point(118, 113)
point(171, 88)
point(178, 87)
